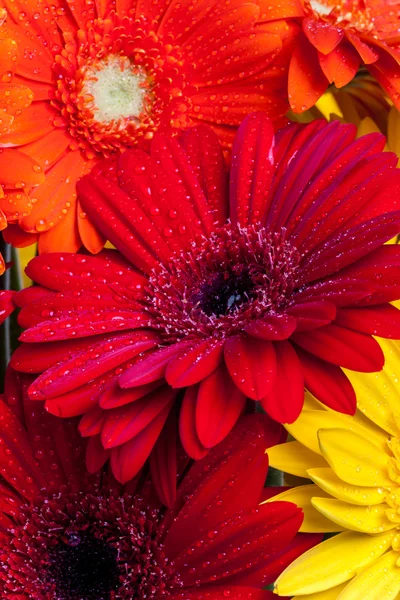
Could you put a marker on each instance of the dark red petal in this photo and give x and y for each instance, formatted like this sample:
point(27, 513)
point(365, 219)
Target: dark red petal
point(163, 463)
point(272, 327)
point(219, 405)
point(252, 169)
point(232, 475)
point(85, 325)
point(285, 401)
point(122, 221)
point(97, 359)
point(113, 396)
point(312, 315)
point(127, 460)
point(151, 366)
point(195, 363)
point(328, 383)
point(205, 155)
point(92, 422)
point(187, 425)
point(339, 250)
point(343, 347)
point(251, 364)
point(36, 358)
point(258, 533)
point(122, 424)
point(96, 455)
point(382, 320)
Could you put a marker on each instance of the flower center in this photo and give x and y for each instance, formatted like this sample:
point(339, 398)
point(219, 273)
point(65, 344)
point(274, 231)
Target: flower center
point(223, 283)
point(118, 91)
point(93, 545)
point(345, 13)
point(82, 566)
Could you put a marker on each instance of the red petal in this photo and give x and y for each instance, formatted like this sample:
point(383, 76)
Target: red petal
point(382, 320)
point(285, 401)
point(328, 383)
point(187, 425)
point(163, 463)
point(272, 327)
point(233, 591)
point(231, 476)
point(128, 459)
point(251, 364)
point(6, 304)
point(113, 396)
point(96, 456)
point(252, 169)
point(323, 36)
point(194, 364)
point(88, 364)
point(219, 405)
point(151, 366)
point(343, 347)
point(312, 315)
point(124, 423)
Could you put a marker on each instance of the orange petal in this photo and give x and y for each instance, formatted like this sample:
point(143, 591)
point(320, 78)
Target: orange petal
point(3, 221)
point(2, 265)
point(40, 90)
point(14, 98)
point(341, 65)
point(62, 238)
point(18, 238)
point(33, 123)
point(15, 205)
point(91, 238)
point(55, 198)
point(18, 170)
point(368, 54)
point(279, 9)
point(34, 60)
point(306, 79)
point(8, 58)
point(323, 36)
point(48, 149)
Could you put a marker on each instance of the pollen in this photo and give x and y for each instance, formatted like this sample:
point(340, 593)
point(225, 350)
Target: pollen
point(117, 89)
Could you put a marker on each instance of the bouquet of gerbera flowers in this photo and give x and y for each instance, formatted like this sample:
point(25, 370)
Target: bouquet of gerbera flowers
point(200, 209)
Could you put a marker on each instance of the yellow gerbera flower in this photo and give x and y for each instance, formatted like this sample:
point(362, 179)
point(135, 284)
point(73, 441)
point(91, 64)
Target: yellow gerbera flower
point(354, 464)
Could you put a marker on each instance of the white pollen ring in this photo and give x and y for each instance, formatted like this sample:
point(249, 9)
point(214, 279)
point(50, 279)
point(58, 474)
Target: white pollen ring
point(118, 92)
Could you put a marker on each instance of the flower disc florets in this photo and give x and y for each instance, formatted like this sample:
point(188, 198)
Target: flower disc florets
point(84, 546)
point(223, 283)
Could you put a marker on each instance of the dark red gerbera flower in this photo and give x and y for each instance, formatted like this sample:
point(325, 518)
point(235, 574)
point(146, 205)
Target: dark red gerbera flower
point(69, 536)
point(212, 297)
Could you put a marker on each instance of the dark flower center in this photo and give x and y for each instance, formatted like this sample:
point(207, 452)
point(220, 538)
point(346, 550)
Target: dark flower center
point(83, 566)
point(224, 293)
point(223, 283)
point(92, 545)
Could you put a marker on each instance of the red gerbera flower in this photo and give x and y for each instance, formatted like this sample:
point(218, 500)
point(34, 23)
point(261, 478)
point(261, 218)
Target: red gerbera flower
point(336, 37)
point(214, 298)
point(98, 77)
point(69, 536)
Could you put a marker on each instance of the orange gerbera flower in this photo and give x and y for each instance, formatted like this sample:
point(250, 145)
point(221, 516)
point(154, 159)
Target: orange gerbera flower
point(106, 74)
point(336, 37)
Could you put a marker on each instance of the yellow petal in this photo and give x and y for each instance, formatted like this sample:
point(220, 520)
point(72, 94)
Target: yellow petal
point(367, 519)
point(331, 594)
point(327, 105)
point(380, 581)
point(330, 483)
point(367, 125)
point(331, 563)
point(378, 394)
point(313, 521)
point(305, 428)
point(354, 458)
point(294, 458)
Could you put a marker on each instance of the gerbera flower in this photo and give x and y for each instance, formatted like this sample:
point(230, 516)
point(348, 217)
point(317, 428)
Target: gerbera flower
point(212, 297)
point(354, 464)
point(106, 76)
point(69, 536)
point(335, 38)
